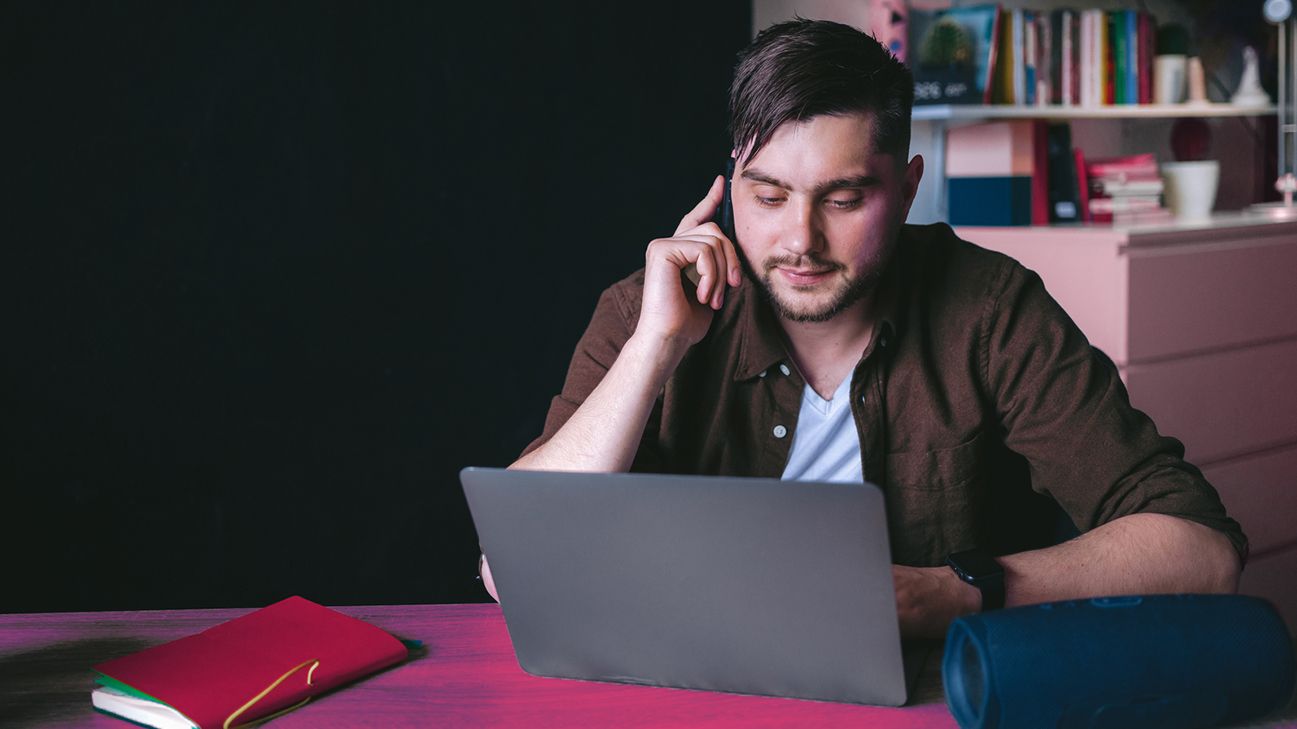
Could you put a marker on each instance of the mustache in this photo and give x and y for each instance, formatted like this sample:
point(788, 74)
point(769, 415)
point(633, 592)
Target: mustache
point(801, 263)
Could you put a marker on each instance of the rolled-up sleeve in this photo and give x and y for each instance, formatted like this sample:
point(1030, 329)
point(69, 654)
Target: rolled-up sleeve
point(1065, 409)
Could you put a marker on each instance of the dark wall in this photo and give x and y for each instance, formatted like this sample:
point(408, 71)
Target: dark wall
point(273, 274)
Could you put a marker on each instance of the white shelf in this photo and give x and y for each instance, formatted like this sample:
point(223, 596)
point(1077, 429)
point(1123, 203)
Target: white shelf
point(971, 112)
point(1207, 229)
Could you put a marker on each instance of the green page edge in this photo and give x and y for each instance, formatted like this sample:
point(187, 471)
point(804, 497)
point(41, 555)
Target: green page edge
point(106, 680)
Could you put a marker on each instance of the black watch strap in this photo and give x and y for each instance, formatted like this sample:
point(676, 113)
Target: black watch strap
point(978, 568)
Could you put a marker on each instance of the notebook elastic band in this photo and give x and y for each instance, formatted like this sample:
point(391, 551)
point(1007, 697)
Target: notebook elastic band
point(313, 663)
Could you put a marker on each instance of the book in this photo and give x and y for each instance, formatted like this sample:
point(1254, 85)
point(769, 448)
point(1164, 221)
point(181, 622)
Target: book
point(1120, 56)
point(1030, 61)
point(1124, 204)
point(1108, 76)
point(1147, 44)
point(1020, 56)
point(1122, 211)
point(1040, 173)
point(992, 148)
point(1143, 217)
point(1045, 56)
point(1057, 50)
point(1082, 184)
point(1117, 188)
point(1102, 58)
point(1132, 57)
point(1071, 58)
point(1130, 167)
point(1006, 60)
point(989, 201)
point(1064, 201)
point(995, 174)
point(261, 664)
point(952, 54)
point(1122, 186)
point(1091, 57)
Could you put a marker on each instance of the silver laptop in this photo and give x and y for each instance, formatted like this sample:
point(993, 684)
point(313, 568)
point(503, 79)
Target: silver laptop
point(754, 586)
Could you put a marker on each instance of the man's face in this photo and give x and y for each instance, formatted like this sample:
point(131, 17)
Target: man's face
point(817, 212)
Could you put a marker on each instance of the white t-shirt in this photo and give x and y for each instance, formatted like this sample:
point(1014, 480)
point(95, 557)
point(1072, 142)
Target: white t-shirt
point(826, 446)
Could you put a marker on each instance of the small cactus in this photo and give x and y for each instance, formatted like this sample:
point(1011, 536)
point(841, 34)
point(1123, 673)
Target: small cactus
point(946, 44)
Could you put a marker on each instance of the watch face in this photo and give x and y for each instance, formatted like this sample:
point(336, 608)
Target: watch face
point(976, 563)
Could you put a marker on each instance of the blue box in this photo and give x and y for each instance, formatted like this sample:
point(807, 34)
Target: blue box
point(995, 201)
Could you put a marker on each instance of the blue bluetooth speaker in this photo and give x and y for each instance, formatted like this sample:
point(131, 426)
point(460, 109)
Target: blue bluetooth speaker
point(1182, 661)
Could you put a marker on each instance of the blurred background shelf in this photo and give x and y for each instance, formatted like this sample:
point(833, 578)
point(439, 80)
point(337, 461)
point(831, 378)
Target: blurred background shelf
point(974, 112)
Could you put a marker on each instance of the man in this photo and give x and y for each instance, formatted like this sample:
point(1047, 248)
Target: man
point(831, 341)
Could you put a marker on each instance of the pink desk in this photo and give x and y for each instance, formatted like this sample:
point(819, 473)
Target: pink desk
point(468, 678)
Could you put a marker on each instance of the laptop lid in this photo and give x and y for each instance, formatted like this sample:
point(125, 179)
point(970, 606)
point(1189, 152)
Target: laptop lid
point(755, 586)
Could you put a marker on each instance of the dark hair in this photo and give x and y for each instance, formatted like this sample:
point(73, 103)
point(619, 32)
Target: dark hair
point(802, 68)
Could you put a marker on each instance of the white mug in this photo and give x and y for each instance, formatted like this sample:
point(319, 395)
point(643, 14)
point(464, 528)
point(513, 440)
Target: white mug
point(1169, 79)
point(1190, 188)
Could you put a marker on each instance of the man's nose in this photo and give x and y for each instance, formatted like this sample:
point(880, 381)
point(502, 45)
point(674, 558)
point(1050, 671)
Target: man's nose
point(802, 233)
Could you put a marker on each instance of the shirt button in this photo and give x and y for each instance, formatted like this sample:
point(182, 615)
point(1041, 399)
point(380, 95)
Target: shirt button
point(784, 369)
point(763, 373)
point(780, 431)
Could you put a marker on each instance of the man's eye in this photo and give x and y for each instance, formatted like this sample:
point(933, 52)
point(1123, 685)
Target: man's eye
point(768, 202)
point(843, 204)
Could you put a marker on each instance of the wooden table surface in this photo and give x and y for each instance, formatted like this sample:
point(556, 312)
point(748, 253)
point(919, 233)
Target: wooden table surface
point(467, 678)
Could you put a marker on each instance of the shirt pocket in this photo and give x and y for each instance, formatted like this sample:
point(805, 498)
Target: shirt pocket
point(934, 499)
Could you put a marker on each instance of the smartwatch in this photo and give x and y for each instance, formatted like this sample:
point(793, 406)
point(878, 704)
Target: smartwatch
point(978, 568)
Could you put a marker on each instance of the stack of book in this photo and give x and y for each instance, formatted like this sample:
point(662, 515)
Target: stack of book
point(993, 55)
point(1026, 172)
point(1125, 190)
point(996, 174)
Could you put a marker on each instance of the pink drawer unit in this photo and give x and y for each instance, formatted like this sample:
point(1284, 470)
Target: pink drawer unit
point(1260, 491)
point(1274, 577)
point(1204, 296)
point(1202, 323)
point(1222, 404)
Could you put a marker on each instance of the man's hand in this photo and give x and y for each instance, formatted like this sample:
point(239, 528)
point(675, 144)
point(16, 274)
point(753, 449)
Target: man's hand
point(484, 570)
point(605, 433)
point(667, 313)
point(928, 599)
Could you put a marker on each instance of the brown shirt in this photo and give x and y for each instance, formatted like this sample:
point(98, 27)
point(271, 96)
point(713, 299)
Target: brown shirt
point(977, 396)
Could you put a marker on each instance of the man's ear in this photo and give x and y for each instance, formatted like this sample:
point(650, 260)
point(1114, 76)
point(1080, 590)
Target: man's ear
point(910, 187)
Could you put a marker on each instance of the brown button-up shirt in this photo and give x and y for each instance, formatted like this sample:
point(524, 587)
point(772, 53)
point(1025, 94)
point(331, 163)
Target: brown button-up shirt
point(979, 405)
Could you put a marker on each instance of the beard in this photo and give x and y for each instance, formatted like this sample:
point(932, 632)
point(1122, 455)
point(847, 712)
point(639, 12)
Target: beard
point(834, 296)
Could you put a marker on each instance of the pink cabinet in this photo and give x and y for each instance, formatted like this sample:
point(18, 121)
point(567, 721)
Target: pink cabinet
point(1202, 323)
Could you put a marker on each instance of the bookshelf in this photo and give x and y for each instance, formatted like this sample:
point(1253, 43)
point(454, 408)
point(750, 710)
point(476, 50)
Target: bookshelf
point(978, 112)
point(930, 122)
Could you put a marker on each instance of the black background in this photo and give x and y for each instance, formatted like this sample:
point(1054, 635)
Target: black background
point(274, 273)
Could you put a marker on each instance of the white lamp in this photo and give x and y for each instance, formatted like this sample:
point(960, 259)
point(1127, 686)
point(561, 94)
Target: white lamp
point(1279, 12)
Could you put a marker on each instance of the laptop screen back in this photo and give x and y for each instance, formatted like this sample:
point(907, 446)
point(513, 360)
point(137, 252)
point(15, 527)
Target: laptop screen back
point(743, 585)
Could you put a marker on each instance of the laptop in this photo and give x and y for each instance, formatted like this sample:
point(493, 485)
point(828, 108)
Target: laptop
point(742, 585)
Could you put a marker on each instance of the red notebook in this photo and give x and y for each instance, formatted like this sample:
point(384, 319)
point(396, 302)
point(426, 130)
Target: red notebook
point(263, 663)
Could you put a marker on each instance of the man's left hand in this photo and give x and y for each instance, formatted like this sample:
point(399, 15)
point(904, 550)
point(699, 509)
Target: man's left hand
point(928, 599)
